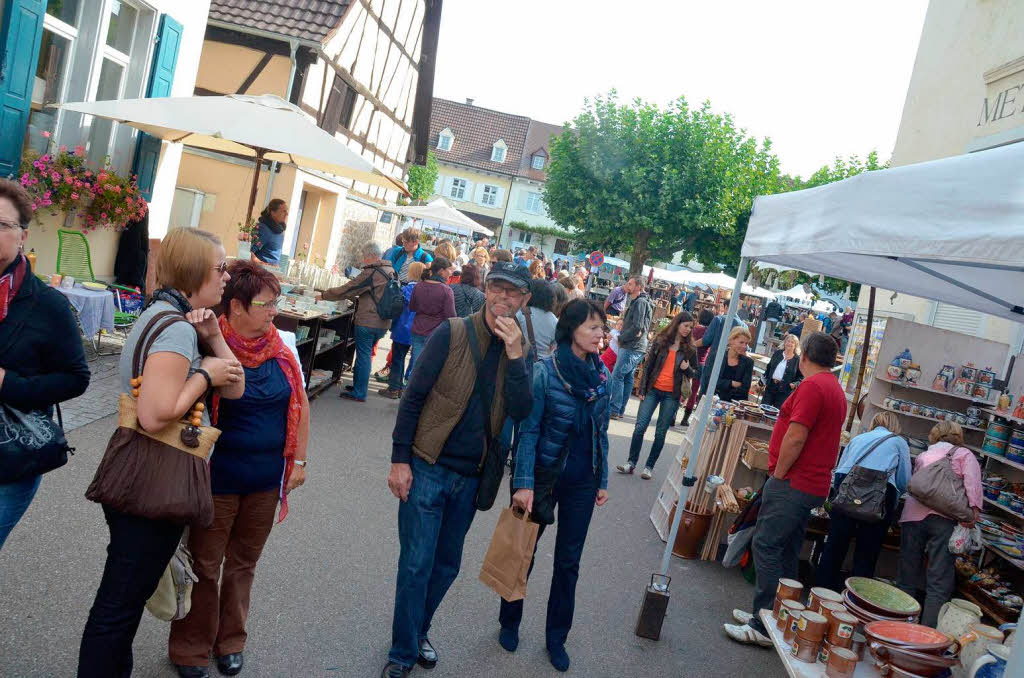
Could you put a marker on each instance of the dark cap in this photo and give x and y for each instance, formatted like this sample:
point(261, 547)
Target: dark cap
point(511, 272)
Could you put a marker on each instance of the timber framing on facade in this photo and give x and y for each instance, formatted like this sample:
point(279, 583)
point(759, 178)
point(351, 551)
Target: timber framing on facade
point(362, 69)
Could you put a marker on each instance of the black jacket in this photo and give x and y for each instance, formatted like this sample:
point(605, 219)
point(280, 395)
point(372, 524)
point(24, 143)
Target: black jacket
point(656, 360)
point(773, 311)
point(742, 372)
point(133, 254)
point(776, 394)
point(40, 349)
point(636, 323)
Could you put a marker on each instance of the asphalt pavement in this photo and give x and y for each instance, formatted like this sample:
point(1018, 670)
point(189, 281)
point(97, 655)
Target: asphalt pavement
point(322, 599)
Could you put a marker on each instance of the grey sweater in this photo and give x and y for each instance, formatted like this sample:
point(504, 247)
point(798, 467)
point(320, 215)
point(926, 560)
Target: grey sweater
point(637, 323)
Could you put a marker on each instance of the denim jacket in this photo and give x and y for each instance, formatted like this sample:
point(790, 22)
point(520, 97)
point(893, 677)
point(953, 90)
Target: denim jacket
point(545, 433)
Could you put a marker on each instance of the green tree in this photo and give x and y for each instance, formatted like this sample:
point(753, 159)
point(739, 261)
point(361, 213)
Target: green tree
point(649, 181)
point(422, 178)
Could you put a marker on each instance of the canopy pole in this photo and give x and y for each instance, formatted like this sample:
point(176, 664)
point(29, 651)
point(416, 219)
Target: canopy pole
point(863, 359)
point(703, 417)
point(255, 184)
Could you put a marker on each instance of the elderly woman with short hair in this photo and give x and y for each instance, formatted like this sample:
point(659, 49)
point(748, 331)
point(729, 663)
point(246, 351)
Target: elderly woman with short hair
point(260, 458)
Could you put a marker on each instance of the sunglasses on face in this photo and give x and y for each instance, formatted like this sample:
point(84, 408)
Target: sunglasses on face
point(221, 268)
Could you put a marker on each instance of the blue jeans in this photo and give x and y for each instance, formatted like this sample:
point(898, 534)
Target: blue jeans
point(666, 417)
point(14, 501)
point(396, 379)
point(574, 496)
point(418, 342)
point(432, 528)
point(622, 379)
point(366, 337)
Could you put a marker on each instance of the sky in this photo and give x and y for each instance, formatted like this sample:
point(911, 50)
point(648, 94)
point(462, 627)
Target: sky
point(821, 78)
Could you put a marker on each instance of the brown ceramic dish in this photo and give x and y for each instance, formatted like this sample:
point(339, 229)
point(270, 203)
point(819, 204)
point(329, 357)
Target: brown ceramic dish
point(915, 662)
point(914, 637)
point(881, 598)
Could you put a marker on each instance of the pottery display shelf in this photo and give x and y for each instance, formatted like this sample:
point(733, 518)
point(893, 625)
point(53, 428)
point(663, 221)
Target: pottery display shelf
point(1016, 562)
point(798, 669)
point(921, 416)
point(1004, 415)
point(998, 457)
point(1005, 509)
point(918, 387)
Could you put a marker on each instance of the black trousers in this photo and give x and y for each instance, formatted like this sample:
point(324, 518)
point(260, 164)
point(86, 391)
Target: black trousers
point(137, 555)
point(869, 537)
point(927, 537)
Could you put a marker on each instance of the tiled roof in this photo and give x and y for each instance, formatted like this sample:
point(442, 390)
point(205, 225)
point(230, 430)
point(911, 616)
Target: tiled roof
point(476, 130)
point(305, 19)
point(538, 140)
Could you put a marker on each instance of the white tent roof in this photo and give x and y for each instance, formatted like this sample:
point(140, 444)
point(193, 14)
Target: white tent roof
point(240, 124)
point(442, 213)
point(950, 230)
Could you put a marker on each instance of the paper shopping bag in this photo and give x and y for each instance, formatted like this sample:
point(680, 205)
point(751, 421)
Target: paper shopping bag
point(508, 557)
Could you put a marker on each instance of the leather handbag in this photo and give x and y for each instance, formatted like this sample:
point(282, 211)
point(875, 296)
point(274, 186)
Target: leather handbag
point(172, 599)
point(31, 444)
point(861, 495)
point(938, 487)
point(162, 475)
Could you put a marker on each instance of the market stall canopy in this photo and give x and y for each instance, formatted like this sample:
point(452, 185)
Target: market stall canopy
point(950, 230)
point(243, 125)
point(440, 212)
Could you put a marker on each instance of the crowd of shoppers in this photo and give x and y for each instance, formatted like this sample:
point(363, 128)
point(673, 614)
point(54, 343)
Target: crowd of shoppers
point(636, 323)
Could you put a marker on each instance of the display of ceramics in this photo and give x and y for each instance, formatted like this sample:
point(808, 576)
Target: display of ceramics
point(998, 430)
point(903, 359)
point(927, 411)
point(981, 391)
point(912, 373)
point(1019, 411)
point(994, 445)
point(973, 411)
point(1005, 401)
point(969, 372)
point(986, 376)
point(915, 408)
point(879, 597)
point(895, 372)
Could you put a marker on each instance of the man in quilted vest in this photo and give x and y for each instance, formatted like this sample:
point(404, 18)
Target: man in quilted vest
point(441, 432)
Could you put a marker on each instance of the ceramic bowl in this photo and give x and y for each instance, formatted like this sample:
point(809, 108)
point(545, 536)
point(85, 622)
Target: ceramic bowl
point(921, 663)
point(865, 616)
point(881, 598)
point(915, 637)
point(1015, 458)
point(1005, 498)
point(991, 492)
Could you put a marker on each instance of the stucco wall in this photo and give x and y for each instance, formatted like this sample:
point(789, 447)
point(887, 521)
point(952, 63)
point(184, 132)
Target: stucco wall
point(478, 179)
point(225, 67)
point(517, 213)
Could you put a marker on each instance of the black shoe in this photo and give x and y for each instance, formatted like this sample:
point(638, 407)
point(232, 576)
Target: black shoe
point(350, 387)
point(192, 671)
point(347, 395)
point(428, 655)
point(230, 664)
point(393, 670)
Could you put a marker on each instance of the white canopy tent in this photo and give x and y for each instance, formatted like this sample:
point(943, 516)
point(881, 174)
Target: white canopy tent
point(440, 212)
point(950, 230)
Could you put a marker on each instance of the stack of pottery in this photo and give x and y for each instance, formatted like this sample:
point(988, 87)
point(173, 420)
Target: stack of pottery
point(810, 632)
point(871, 600)
point(997, 438)
point(976, 640)
point(788, 589)
point(914, 649)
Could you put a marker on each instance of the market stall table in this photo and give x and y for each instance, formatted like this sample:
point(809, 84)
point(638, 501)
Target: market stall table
point(798, 669)
point(95, 309)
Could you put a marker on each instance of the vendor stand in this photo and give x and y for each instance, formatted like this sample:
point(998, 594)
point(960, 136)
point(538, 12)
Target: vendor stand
point(913, 229)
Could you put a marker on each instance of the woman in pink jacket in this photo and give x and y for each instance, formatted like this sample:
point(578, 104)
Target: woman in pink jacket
point(925, 531)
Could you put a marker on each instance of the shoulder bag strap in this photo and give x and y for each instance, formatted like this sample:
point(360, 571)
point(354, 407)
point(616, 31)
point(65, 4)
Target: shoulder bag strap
point(149, 336)
point(474, 346)
point(871, 448)
point(529, 331)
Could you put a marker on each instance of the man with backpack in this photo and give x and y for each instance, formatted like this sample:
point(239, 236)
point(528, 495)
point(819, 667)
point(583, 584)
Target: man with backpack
point(374, 288)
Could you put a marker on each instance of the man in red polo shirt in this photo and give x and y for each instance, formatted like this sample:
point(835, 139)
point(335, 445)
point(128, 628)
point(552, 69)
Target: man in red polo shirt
point(801, 456)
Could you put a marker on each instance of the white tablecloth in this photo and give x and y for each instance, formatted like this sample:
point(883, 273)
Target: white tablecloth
point(95, 308)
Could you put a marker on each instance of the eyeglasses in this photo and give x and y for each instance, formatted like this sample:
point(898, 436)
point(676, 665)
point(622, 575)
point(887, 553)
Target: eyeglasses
point(221, 268)
point(9, 225)
point(265, 305)
point(505, 290)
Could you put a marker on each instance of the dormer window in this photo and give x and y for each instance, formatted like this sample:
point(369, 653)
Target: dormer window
point(537, 162)
point(498, 151)
point(445, 140)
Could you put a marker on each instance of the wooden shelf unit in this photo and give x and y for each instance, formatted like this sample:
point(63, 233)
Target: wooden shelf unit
point(327, 358)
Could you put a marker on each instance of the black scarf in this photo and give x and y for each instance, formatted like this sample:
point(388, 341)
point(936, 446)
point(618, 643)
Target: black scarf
point(437, 278)
point(172, 297)
point(584, 379)
point(269, 222)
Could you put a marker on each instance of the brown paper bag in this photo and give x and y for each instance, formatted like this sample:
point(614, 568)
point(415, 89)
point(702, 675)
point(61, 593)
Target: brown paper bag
point(508, 557)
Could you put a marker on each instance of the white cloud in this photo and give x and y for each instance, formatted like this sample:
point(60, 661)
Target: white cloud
point(820, 78)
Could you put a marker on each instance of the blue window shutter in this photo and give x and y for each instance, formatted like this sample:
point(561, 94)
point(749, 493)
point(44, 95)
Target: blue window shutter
point(21, 35)
point(161, 78)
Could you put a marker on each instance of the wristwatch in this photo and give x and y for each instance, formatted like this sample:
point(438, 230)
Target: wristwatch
point(300, 462)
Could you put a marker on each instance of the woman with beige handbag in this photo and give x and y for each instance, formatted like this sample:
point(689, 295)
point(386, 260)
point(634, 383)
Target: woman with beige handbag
point(154, 477)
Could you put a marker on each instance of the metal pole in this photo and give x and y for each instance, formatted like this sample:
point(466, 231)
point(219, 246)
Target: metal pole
point(704, 416)
point(255, 183)
point(863, 359)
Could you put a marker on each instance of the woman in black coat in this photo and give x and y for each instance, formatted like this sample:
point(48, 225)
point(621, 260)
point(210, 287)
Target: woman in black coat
point(738, 369)
point(41, 358)
point(779, 381)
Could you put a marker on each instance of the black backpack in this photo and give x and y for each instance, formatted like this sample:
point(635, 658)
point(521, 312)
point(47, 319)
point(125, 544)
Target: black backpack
point(392, 300)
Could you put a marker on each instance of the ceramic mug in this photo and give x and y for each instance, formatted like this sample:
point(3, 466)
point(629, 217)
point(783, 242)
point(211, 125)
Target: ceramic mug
point(915, 408)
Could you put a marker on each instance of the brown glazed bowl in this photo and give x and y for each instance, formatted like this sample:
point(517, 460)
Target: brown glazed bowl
point(916, 662)
point(914, 637)
point(881, 598)
point(866, 616)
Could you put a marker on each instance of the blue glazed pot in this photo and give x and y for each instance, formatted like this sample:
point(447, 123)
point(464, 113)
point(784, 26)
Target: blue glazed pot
point(992, 664)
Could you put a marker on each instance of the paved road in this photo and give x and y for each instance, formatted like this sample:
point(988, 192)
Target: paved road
point(322, 599)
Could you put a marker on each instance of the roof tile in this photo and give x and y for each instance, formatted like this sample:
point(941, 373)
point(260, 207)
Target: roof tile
point(305, 19)
point(476, 130)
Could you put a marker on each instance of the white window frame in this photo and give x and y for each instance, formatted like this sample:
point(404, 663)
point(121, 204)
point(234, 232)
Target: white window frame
point(489, 197)
point(498, 152)
point(537, 208)
point(458, 189)
point(534, 162)
point(71, 34)
point(444, 136)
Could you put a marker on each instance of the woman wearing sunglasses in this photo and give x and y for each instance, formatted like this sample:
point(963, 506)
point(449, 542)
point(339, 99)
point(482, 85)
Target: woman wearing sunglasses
point(562, 460)
point(260, 458)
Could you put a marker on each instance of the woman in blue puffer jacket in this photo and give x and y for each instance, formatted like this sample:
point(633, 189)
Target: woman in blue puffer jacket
point(562, 460)
point(401, 337)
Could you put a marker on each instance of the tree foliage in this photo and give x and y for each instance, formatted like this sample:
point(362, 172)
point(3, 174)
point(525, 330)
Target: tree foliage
point(637, 178)
point(422, 178)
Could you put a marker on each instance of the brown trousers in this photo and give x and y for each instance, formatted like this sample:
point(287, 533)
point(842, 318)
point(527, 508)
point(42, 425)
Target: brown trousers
point(241, 525)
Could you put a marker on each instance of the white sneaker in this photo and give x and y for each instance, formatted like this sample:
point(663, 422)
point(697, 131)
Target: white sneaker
point(625, 468)
point(646, 475)
point(742, 617)
point(746, 635)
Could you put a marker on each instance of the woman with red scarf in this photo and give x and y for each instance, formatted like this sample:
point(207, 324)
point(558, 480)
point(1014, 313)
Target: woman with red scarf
point(259, 458)
point(41, 358)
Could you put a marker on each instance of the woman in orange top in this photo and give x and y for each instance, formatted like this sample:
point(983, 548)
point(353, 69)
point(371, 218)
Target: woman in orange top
point(670, 365)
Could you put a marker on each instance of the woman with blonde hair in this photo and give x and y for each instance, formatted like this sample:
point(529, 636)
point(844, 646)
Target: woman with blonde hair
point(782, 375)
point(879, 448)
point(738, 369)
point(926, 532)
point(181, 365)
point(483, 262)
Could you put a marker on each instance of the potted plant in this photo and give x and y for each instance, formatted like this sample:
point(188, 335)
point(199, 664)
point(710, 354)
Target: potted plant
point(248, 238)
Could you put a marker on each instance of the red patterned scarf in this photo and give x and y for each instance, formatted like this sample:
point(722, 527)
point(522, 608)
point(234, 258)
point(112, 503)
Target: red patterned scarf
point(253, 353)
point(10, 283)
